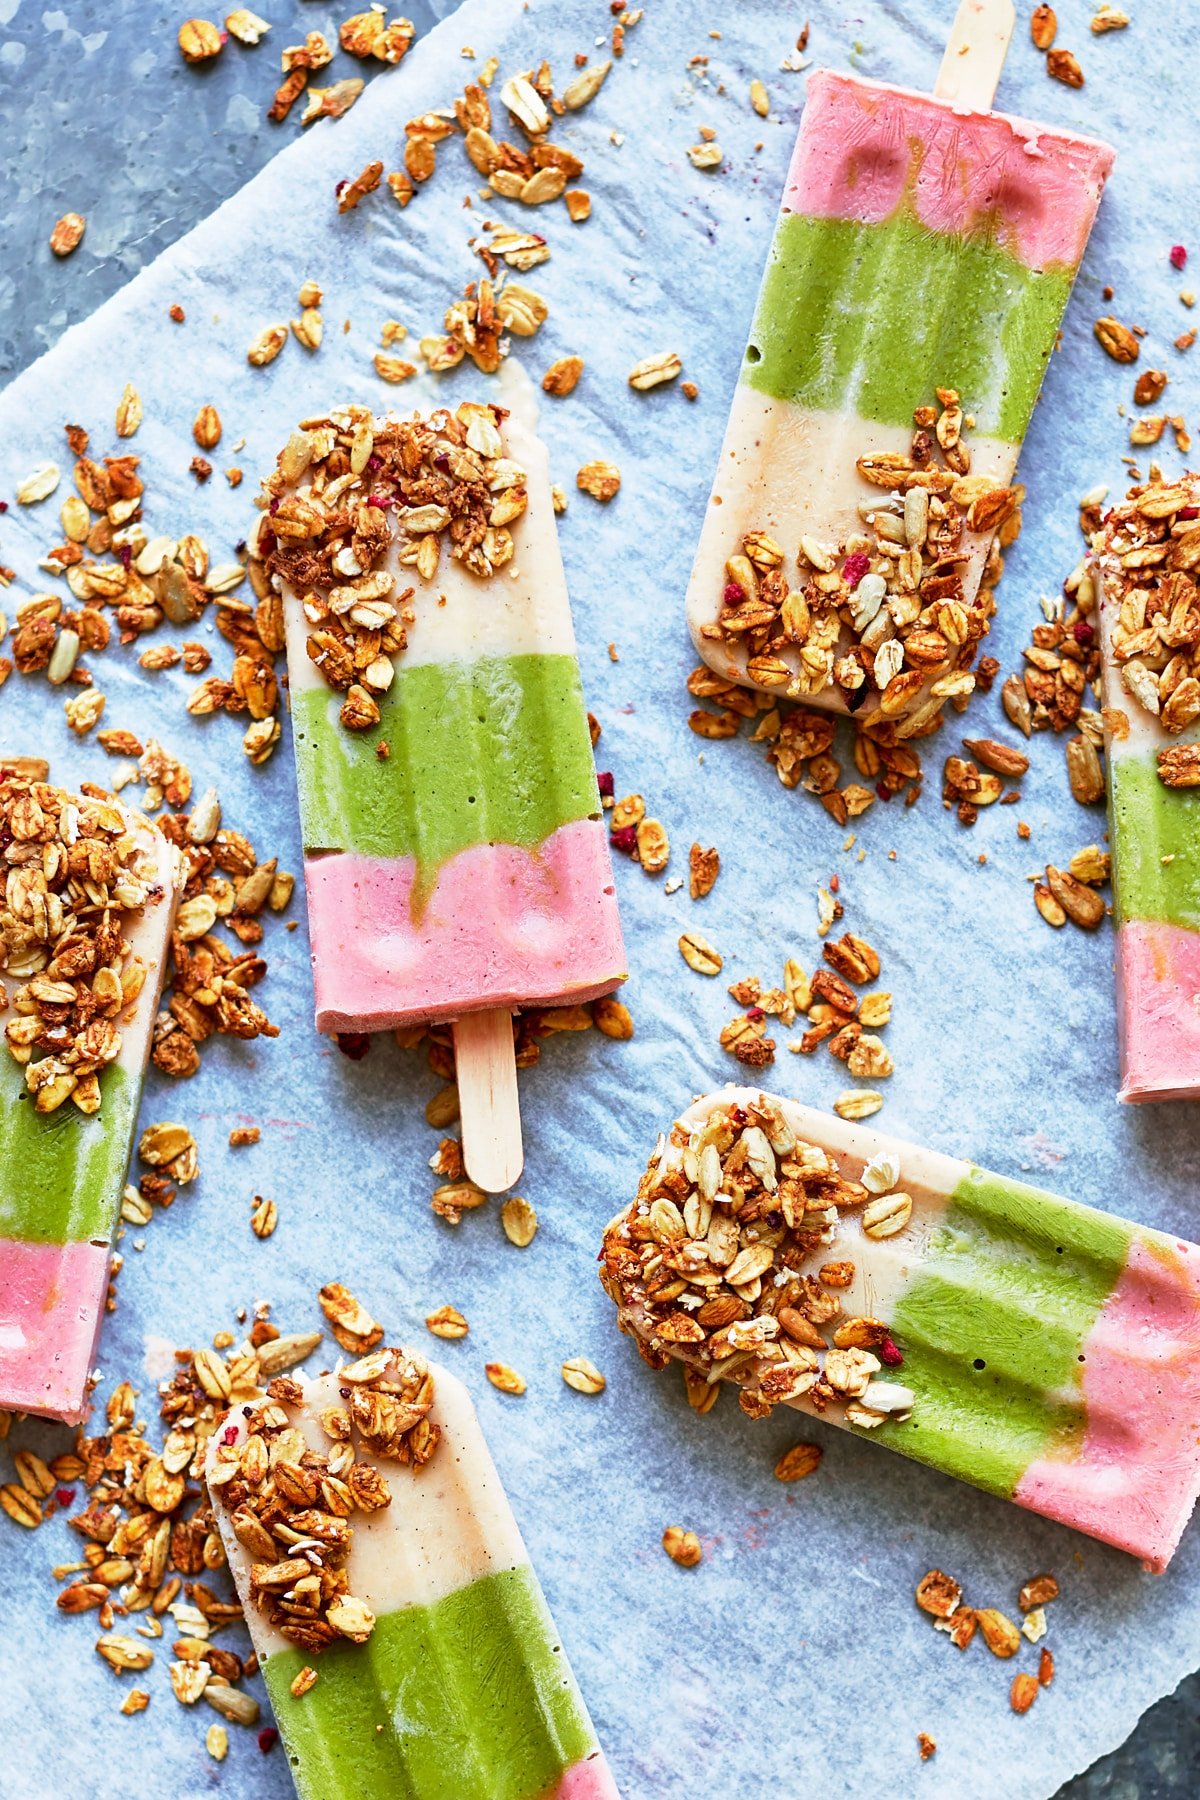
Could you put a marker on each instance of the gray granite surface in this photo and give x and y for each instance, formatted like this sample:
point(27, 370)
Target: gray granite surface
point(98, 114)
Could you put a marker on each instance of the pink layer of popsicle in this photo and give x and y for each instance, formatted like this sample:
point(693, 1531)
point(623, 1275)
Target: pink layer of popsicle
point(503, 927)
point(865, 146)
point(1158, 998)
point(51, 1305)
point(1135, 1479)
point(590, 1780)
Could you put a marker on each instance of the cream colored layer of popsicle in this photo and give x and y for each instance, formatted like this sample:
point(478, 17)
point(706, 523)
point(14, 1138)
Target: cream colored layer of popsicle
point(522, 611)
point(448, 1523)
point(790, 471)
point(150, 938)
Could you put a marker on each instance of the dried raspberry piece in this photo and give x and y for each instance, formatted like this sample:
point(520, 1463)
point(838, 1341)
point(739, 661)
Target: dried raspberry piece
point(624, 838)
point(353, 1044)
point(604, 782)
point(855, 567)
point(890, 1353)
point(1178, 256)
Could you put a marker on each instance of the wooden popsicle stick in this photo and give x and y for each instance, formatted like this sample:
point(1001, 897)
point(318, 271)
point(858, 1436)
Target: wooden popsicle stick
point(489, 1105)
point(975, 52)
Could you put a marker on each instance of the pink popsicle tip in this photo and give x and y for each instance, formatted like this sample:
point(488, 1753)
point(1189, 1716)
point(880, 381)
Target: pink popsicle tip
point(1178, 256)
point(354, 1044)
point(855, 567)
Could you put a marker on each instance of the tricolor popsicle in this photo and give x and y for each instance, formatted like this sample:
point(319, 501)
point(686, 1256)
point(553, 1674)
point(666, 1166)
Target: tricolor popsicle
point(1041, 1350)
point(1147, 560)
point(84, 928)
point(406, 1589)
point(455, 854)
point(924, 251)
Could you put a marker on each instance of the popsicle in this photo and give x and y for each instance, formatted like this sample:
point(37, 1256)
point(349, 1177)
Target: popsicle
point(373, 1545)
point(85, 920)
point(1147, 558)
point(456, 860)
point(1042, 1350)
point(921, 264)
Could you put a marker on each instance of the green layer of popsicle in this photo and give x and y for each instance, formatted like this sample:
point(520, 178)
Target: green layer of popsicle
point(473, 1694)
point(871, 318)
point(1149, 821)
point(993, 1325)
point(491, 751)
point(63, 1172)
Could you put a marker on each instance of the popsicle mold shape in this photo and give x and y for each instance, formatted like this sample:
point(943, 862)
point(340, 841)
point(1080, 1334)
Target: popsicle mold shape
point(919, 271)
point(400, 1578)
point(455, 852)
point(1039, 1349)
point(1146, 562)
point(89, 900)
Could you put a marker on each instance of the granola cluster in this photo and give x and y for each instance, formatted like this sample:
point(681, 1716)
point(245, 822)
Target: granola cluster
point(290, 1506)
point(149, 1541)
point(1149, 556)
point(882, 618)
point(355, 497)
point(76, 873)
point(710, 1266)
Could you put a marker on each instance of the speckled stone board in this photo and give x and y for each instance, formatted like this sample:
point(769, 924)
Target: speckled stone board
point(809, 1586)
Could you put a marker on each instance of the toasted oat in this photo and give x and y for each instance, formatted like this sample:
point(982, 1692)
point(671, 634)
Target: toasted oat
point(583, 1376)
point(505, 1378)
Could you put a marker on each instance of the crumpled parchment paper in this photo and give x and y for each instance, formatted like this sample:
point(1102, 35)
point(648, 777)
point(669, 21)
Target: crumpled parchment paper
point(794, 1653)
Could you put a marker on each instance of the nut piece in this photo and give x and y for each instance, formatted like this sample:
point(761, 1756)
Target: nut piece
point(938, 1594)
point(562, 377)
point(602, 480)
point(1063, 67)
point(1043, 27)
point(683, 1547)
point(1023, 1693)
point(1037, 1591)
point(999, 1633)
point(199, 40)
point(798, 1462)
point(1082, 904)
point(207, 428)
point(1117, 340)
point(68, 234)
